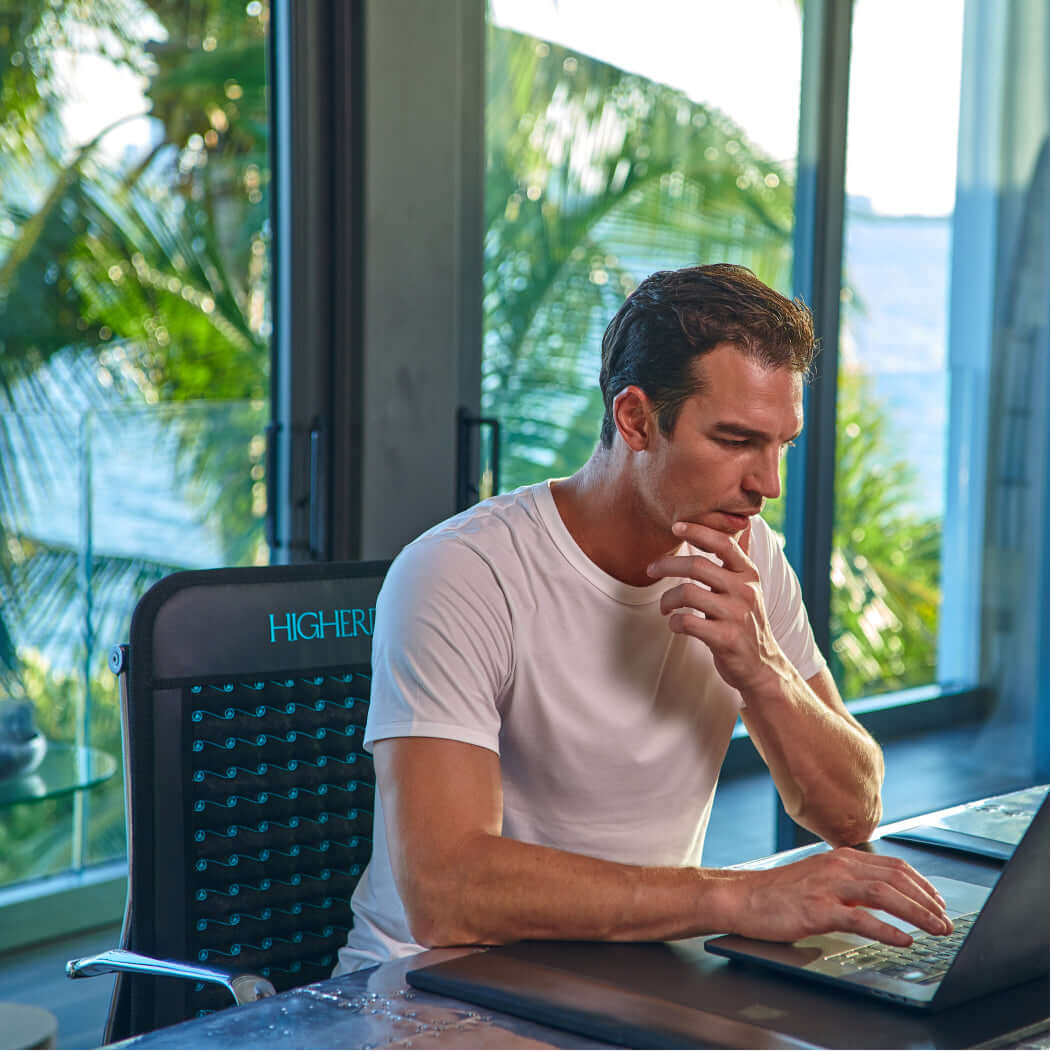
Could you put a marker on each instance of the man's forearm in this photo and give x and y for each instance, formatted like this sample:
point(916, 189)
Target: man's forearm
point(501, 890)
point(462, 882)
point(827, 768)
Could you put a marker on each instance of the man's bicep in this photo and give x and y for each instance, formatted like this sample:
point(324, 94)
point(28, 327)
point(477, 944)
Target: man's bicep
point(437, 794)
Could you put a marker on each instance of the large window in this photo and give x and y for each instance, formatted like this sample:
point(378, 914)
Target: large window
point(134, 352)
point(135, 262)
point(616, 146)
point(892, 422)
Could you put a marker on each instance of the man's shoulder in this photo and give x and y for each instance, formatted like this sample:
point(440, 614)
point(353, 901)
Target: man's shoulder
point(491, 534)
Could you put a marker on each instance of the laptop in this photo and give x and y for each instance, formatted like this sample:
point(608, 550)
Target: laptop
point(1000, 939)
point(990, 828)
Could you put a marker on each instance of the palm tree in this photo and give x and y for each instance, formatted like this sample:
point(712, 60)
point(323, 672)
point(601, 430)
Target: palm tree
point(592, 173)
point(144, 281)
point(127, 288)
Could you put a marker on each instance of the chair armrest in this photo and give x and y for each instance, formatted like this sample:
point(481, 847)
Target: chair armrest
point(244, 988)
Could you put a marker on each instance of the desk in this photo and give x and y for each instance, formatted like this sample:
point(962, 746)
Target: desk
point(377, 1008)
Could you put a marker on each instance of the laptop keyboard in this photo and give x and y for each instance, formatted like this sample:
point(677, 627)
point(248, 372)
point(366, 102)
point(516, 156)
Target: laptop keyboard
point(923, 962)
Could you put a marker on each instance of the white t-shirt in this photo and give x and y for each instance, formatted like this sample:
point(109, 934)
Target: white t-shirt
point(495, 629)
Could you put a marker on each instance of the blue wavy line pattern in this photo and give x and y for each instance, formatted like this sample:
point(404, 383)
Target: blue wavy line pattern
point(290, 767)
point(289, 737)
point(262, 798)
point(232, 831)
point(274, 779)
point(234, 890)
point(232, 860)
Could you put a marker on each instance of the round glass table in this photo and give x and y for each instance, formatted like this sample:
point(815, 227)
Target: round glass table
point(65, 768)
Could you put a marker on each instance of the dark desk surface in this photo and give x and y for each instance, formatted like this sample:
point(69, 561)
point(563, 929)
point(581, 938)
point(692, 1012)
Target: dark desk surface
point(377, 1008)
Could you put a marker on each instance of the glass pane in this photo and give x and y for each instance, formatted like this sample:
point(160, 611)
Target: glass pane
point(134, 353)
point(615, 148)
point(892, 417)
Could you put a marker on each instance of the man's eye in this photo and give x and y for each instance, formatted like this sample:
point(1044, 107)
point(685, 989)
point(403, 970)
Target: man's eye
point(735, 443)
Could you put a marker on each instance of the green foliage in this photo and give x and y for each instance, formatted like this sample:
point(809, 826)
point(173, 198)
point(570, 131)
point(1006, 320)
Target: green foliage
point(592, 175)
point(886, 559)
point(124, 283)
point(155, 267)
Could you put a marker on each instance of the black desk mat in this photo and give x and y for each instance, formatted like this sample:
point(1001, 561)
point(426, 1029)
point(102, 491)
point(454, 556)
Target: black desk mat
point(675, 994)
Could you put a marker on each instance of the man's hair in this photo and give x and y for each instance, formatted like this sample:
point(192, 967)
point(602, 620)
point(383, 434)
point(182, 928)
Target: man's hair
point(675, 316)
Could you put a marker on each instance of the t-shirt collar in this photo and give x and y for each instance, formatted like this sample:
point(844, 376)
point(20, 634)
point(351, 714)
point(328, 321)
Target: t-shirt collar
point(628, 594)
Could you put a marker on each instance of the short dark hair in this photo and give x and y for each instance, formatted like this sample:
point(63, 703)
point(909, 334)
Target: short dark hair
point(674, 316)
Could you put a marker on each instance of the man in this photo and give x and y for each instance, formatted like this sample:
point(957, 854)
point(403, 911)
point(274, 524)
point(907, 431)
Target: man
point(557, 671)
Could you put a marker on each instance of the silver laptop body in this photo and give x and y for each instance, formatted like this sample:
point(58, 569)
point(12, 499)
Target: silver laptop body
point(1002, 935)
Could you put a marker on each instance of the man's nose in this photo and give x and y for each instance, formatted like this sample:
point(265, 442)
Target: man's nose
point(765, 477)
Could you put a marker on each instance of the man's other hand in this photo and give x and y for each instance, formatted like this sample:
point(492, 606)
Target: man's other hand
point(833, 892)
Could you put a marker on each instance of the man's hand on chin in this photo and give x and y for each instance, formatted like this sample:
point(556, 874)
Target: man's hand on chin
point(734, 624)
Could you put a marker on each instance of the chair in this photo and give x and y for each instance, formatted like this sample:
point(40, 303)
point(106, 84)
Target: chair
point(249, 795)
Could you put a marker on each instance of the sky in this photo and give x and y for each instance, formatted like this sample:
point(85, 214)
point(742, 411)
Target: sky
point(744, 58)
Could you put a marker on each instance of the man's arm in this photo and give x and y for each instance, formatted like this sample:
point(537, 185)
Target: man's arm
point(463, 883)
point(827, 768)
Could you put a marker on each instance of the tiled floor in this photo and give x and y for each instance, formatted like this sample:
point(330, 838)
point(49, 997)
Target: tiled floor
point(923, 773)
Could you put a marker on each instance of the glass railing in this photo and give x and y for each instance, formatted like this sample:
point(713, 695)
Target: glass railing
point(95, 507)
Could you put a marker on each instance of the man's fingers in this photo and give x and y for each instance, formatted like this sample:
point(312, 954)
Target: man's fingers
point(859, 921)
point(905, 878)
point(692, 596)
point(713, 633)
point(693, 567)
point(728, 550)
point(881, 895)
point(844, 890)
point(893, 886)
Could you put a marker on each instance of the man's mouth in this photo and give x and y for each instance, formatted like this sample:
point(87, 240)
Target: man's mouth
point(738, 519)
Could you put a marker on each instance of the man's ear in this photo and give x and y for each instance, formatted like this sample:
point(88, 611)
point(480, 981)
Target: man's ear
point(634, 418)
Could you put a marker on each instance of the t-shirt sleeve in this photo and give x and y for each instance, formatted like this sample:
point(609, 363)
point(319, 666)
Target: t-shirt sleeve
point(442, 650)
point(784, 601)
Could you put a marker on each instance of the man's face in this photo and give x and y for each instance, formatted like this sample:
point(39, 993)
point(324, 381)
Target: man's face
point(721, 461)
